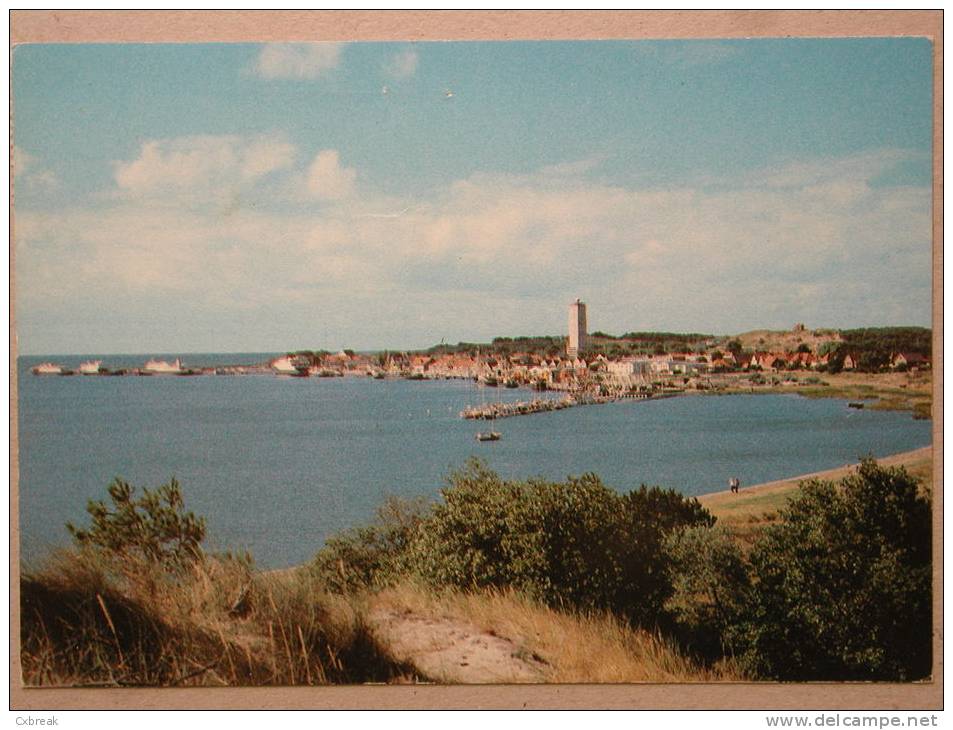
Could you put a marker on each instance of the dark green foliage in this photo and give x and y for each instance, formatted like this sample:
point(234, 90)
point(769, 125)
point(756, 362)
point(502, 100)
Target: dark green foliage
point(575, 543)
point(711, 587)
point(153, 528)
point(683, 339)
point(843, 583)
point(647, 517)
point(373, 555)
point(872, 348)
point(502, 346)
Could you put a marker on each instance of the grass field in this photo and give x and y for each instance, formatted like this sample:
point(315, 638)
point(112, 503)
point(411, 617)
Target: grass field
point(755, 507)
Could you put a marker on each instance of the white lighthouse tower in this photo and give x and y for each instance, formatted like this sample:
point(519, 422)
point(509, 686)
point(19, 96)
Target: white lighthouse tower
point(577, 328)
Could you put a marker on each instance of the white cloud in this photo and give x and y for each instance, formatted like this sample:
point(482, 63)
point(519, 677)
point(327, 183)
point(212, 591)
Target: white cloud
point(403, 64)
point(327, 179)
point(29, 171)
point(201, 167)
point(829, 246)
point(297, 60)
point(263, 156)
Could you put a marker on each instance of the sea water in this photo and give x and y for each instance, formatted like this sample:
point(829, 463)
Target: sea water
point(277, 464)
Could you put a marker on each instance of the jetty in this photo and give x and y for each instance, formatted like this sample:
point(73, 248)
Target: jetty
point(492, 411)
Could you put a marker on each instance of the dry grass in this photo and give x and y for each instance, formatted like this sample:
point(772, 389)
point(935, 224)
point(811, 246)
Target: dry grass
point(88, 622)
point(781, 340)
point(593, 648)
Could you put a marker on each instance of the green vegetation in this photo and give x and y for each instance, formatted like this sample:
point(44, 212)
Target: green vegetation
point(832, 583)
point(711, 587)
point(153, 529)
point(138, 603)
point(796, 602)
point(575, 543)
point(599, 343)
point(872, 348)
point(842, 584)
point(542, 345)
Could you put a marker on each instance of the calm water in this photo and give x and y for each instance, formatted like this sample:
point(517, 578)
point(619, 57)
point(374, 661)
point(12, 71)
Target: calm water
point(278, 464)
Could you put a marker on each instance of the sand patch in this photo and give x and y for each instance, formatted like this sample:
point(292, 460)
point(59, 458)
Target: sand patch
point(455, 652)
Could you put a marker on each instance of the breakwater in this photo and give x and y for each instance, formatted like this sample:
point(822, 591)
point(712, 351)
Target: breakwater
point(492, 411)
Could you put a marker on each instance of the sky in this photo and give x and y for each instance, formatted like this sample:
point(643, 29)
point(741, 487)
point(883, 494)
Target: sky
point(270, 197)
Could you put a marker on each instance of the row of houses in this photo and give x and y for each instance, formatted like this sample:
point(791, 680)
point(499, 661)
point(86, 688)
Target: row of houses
point(525, 367)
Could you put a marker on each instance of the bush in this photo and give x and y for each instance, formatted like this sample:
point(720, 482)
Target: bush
point(373, 555)
point(575, 543)
point(711, 587)
point(153, 528)
point(843, 582)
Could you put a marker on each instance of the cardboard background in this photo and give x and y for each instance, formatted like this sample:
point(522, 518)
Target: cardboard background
point(42, 26)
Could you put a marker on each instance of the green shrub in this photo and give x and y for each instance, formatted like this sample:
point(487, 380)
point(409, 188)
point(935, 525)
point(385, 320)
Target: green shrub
point(372, 555)
point(842, 585)
point(153, 528)
point(711, 587)
point(575, 543)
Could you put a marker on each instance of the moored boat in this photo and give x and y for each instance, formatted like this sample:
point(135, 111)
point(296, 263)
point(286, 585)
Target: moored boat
point(49, 368)
point(488, 436)
point(162, 367)
point(91, 367)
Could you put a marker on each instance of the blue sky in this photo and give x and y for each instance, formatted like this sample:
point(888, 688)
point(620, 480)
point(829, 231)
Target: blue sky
point(176, 198)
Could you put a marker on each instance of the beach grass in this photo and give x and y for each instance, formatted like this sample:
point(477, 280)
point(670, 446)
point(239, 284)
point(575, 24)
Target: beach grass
point(571, 647)
point(86, 623)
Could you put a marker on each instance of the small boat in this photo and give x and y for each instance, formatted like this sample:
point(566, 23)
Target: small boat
point(855, 404)
point(488, 436)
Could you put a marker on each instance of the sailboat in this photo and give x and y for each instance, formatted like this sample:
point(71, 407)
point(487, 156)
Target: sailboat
point(485, 435)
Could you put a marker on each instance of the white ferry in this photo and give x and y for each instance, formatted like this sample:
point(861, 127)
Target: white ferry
point(49, 368)
point(91, 367)
point(161, 367)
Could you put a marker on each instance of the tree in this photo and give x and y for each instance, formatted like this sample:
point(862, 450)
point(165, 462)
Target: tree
point(154, 528)
point(842, 585)
point(710, 587)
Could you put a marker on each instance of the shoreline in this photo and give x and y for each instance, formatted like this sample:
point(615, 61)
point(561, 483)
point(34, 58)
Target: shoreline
point(766, 488)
